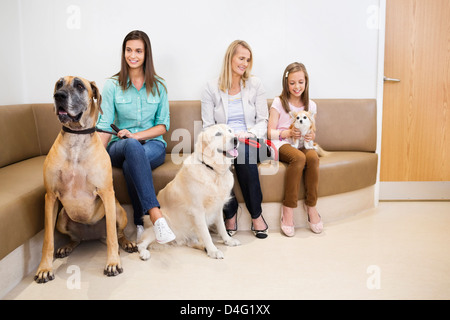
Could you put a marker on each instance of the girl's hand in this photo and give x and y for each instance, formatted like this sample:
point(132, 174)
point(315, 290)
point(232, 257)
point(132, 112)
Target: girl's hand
point(310, 137)
point(295, 133)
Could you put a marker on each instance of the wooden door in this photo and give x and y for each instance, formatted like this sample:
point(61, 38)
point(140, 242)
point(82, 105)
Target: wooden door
point(416, 112)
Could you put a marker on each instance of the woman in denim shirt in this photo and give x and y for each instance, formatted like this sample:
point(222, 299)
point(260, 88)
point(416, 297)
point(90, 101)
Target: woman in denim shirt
point(135, 100)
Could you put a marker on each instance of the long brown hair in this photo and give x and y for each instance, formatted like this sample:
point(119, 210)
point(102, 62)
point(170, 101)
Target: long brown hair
point(285, 94)
point(226, 73)
point(151, 78)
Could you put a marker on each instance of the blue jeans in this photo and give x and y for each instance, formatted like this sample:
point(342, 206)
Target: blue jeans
point(137, 161)
point(246, 169)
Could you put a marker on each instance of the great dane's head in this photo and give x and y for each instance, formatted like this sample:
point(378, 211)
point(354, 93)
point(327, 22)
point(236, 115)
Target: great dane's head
point(77, 102)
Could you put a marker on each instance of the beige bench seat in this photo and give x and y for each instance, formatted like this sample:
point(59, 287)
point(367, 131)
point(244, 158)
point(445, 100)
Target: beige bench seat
point(345, 127)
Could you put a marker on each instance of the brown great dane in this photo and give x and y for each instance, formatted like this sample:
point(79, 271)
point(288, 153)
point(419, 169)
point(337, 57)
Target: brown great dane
point(78, 173)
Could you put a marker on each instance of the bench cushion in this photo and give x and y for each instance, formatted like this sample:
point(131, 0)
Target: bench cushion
point(21, 203)
point(339, 172)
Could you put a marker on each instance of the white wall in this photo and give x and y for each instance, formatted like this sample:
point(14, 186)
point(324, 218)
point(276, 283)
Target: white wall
point(45, 39)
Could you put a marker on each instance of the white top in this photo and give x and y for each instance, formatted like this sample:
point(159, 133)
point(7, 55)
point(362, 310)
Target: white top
point(236, 118)
point(254, 104)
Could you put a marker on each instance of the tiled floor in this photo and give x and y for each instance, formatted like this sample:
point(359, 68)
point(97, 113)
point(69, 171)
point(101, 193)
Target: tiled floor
point(400, 250)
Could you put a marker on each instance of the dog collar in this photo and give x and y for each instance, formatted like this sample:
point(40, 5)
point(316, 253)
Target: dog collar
point(85, 131)
point(207, 165)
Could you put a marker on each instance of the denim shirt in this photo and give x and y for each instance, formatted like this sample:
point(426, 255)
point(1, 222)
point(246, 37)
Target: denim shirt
point(132, 109)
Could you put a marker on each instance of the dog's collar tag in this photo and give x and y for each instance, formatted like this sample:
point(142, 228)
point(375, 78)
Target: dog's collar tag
point(85, 131)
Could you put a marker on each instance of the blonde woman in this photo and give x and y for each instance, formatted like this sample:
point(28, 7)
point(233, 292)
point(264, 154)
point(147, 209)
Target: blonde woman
point(295, 97)
point(238, 99)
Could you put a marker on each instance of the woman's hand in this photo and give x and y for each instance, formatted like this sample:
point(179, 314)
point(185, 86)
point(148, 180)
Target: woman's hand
point(245, 134)
point(147, 134)
point(124, 133)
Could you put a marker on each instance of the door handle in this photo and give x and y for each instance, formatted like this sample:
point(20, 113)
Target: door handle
point(390, 79)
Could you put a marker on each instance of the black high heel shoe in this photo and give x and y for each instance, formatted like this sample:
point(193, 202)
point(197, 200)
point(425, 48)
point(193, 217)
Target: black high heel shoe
point(261, 234)
point(232, 232)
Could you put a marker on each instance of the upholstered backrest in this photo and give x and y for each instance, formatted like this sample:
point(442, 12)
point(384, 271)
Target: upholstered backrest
point(18, 138)
point(185, 125)
point(47, 125)
point(347, 124)
point(342, 124)
point(29, 130)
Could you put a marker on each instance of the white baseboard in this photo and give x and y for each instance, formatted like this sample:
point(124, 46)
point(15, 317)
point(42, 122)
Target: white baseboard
point(332, 208)
point(23, 260)
point(415, 190)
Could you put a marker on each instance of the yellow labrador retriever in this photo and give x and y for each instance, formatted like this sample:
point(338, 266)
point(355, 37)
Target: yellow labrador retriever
point(194, 199)
point(77, 172)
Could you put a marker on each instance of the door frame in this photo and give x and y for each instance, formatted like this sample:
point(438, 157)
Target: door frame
point(380, 89)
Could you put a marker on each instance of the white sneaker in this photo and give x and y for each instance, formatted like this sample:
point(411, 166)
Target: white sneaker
point(162, 231)
point(139, 232)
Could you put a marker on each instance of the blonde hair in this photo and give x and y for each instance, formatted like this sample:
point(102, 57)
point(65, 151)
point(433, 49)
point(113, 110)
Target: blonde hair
point(285, 94)
point(226, 73)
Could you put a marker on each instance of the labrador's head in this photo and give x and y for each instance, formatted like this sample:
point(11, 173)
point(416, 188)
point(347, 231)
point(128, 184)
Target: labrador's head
point(217, 145)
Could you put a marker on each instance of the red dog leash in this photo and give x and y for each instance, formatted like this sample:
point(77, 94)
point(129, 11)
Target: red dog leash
point(256, 144)
point(251, 143)
point(275, 151)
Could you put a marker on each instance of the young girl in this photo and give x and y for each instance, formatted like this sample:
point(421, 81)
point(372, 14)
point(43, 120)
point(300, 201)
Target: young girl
point(135, 100)
point(295, 97)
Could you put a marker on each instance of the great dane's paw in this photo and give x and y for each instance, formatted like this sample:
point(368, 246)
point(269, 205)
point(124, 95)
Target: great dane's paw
point(43, 276)
point(144, 254)
point(112, 270)
point(67, 249)
point(63, 252)
point(232, 242)
point(129, 246)
point(215, 254)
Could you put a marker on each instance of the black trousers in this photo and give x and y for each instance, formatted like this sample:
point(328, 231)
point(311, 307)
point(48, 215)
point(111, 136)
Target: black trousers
point(246, 168)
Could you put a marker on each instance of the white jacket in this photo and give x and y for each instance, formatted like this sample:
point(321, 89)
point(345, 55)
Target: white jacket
point(254, 101)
